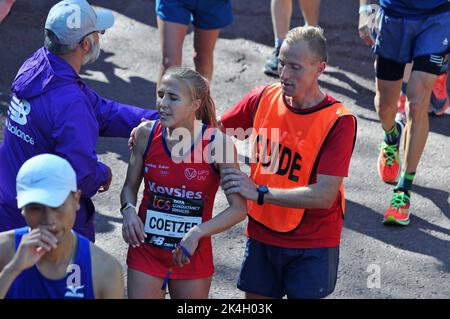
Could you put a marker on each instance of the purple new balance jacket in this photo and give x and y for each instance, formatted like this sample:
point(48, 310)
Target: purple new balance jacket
point(53, 111)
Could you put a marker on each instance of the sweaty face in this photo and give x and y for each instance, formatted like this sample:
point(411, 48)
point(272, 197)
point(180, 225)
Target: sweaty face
point(59, 220)
point(298, 68)
point(174, 103)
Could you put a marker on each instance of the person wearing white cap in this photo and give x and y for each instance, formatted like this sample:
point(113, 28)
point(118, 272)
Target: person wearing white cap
point(47, 259)
point(53, 111)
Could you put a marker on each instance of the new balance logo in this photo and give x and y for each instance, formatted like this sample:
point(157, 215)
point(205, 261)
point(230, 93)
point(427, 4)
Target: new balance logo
point(18, 110)
point(445, 42)
point(72, 292)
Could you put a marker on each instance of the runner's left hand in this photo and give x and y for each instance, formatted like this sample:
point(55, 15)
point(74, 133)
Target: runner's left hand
point(190, 243)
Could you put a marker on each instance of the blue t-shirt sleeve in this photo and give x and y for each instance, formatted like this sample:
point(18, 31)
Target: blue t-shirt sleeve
point(116, 119)
point(75, 134)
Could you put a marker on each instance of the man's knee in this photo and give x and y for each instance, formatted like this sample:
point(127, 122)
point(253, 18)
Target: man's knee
point(418, 94)
point(417, 108)
point(202, 58)
point(385, 101)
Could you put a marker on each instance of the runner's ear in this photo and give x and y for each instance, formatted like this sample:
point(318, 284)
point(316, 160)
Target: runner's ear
point(321, 67)
point(198, 104)
point(77, 196)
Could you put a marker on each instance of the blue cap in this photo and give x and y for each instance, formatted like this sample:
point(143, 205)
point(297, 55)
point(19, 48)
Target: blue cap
point(45, 179)
point(72, 20)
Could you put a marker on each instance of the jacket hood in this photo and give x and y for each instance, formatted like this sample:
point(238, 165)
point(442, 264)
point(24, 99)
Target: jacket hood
point(42, 72)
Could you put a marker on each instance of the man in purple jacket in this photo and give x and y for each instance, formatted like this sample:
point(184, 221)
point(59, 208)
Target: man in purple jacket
point(53, 111)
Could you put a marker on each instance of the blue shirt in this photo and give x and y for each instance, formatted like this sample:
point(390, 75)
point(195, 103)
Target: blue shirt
point(30, 284)
point(412, 8)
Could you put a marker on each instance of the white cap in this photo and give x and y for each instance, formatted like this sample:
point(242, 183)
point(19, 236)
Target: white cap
point(72, 20)
point(45, 179)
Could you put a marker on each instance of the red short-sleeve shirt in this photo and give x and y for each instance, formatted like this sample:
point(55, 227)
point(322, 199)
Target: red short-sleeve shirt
point(319, 227)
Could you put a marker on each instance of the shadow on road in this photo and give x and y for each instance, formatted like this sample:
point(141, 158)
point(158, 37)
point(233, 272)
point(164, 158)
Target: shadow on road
point(414, 238)
point(437, 196)
point(103, 223)
point(363, 97)
point(142, 11)
point(134, 90)
point(440, 124)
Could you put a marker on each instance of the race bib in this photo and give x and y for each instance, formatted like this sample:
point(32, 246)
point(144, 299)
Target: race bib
point(169, 218)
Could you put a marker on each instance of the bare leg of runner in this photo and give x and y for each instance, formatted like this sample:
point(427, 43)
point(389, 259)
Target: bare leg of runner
point(171, 38)
point(386, 96)
point(420, 86)
point(143, 286)
point(311, 11)
point(204, 43)
point(190, 288)
point(281, 21)
point(281, 17)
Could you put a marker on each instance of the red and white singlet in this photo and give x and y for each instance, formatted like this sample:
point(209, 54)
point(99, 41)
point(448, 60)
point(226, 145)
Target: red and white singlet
point(177, 196)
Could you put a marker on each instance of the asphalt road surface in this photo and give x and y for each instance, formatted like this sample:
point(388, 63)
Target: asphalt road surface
point(412, 262)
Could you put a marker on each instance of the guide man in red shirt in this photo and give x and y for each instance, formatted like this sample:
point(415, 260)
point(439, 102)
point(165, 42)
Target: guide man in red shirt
point(303, 140)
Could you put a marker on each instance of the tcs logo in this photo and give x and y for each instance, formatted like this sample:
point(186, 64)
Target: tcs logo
point(162, 204)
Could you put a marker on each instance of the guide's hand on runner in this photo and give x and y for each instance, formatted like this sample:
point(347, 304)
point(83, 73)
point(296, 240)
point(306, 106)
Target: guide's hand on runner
point(132, 228)
point(106, 185)
point(235, 181)
point(132, 139)
point(32, 247)
point(364, 28)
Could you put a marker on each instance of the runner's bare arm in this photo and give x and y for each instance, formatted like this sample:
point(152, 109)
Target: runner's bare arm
point(32, 247)
point(133, 228)
point(7, 275)
point(107, 275)
point(7, 248)
point(322, 194)
point(235, 213)
point(319, 195)
point(136, 164)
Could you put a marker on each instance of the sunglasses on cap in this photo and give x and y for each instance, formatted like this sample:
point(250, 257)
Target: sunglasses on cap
point(100, 31)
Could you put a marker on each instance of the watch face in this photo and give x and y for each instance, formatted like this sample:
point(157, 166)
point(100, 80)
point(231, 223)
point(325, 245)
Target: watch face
point(263, 188)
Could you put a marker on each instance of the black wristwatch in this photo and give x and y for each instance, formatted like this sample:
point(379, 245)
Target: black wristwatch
point(262, 190)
